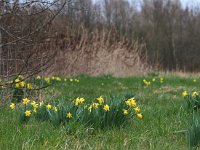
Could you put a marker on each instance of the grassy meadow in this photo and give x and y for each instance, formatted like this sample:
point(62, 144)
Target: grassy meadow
point(164, 125)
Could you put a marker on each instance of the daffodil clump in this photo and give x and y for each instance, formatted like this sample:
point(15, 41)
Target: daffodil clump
point(194, 94)
point(153, 81)
point(146, 83)
point(132, 104)
point(192, 106)
point(21, 86)
point(19, 82)
point(192, 99)
point(100, 113)
point(54, 79)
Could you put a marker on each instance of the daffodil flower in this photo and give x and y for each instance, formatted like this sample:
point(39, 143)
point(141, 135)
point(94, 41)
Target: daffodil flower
point(106, 108)
point(27, 113)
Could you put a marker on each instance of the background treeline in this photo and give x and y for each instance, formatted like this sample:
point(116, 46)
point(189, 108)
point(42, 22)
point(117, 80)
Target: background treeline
point(170, 31)
point(163, 33)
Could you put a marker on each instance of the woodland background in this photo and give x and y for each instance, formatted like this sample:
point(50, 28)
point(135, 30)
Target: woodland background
point(71, 37)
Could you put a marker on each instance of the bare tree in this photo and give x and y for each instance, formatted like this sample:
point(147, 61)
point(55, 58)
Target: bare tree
point(24, 36)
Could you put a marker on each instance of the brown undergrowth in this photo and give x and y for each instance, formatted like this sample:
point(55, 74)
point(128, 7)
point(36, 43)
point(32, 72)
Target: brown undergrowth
point(98, 53)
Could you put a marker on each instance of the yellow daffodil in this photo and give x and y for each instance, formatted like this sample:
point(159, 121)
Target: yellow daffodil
point(22, 84)
point(194, 94)
point(27, 113)
point(128, 102)
point(194, 80)
point(90, 108)
point(140, 116)
point(71, 80)
point(131, 102)
point(17, 80)
point(21, 77)
point(79, 101)
point(12, 106)
point(29, 86)
point(147, 83)
point(161, 80)
point(48, 106)
point(82, 100)
point(58, 78)
point(3, 87)
point(76, 80)
point(100, 100)
point(106, 108)
point(69, 115)
point(95, 105)
point(35, 110)
point(184, 94)
point(125, 112)
point(41, 103)
point(153, 80)
point(55, 109)
point(34, 104)
point(137, 109)
point(26, 101)
point(48, 80)
point(38, 77)
point(17, 85)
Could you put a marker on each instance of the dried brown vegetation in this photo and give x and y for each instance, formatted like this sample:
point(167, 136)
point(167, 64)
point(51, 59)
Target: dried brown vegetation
point(98, 53)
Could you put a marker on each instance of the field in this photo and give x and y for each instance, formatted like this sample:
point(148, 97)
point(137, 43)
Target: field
point(164, 125)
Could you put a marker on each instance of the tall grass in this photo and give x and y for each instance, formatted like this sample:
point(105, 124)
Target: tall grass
point(98, 53)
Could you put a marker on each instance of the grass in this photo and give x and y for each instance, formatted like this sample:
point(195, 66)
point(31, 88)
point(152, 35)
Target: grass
point(163, 125)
